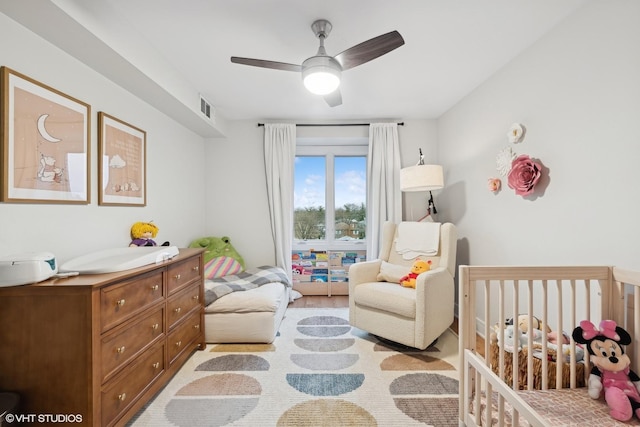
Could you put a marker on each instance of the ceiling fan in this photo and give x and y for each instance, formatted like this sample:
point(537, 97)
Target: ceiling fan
point(321, 73)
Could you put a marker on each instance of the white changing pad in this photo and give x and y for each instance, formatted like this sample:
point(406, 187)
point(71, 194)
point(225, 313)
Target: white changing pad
point(119, 259)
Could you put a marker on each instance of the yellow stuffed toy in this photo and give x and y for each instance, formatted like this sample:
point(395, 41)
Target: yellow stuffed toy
point(420, 266)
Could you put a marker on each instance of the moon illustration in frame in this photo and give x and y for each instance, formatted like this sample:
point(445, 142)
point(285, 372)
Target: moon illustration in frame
point(43, 130)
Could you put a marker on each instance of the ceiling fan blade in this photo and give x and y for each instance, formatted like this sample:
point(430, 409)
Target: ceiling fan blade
point(266, 64)
point(334, 98)
point(370, 49)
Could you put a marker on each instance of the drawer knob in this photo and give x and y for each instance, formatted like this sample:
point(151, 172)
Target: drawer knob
point(177, 277)
point(177, 310)
point(120, 349)
point(196, 268)
point(156, 365)
point(122, 397)
point(155, 287)
point(179, 343)
point(196, 297)
point(120, 302)
point(196, 326)
point(155, 327)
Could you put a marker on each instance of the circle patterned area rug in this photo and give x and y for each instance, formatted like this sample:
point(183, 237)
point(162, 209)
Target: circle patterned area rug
point(319, 371)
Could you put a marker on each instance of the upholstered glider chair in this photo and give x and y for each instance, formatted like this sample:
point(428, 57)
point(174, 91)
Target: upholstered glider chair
point(416, 317)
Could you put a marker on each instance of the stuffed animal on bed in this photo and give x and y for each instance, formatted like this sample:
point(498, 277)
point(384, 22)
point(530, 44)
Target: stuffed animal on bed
point(420, 266)
point(611, 371)
point(220, 257)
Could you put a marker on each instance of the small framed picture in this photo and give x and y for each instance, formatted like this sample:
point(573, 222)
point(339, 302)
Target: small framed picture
point(45, 143)
point(122, 163)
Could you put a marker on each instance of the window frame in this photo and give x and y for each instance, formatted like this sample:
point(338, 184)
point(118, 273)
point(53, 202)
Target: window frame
point(330, 148)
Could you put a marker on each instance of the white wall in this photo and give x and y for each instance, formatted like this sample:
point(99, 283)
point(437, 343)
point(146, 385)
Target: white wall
point(175, 164)
point(577, 91)
point(195, 188)
point(237, 204)
point(236, 190)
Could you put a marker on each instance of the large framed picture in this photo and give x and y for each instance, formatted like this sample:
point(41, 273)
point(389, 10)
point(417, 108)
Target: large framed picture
point(122, 167)
point(45, 143)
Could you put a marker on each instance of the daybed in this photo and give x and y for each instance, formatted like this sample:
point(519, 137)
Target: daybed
point(561, 297)
point(241, 306)
point(246, 307)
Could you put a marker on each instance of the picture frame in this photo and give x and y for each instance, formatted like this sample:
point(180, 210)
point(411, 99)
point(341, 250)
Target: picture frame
point(45, 149)
point(122, 163)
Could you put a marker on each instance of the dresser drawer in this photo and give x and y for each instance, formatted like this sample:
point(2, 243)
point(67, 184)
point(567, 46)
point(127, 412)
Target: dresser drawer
point(120, 348)
point(120, 302)
point(118, 395)
point(183, 336)
point(181, 304)
point(183, 273)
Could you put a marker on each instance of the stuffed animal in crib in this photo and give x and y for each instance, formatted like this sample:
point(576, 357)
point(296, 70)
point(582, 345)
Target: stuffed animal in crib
point(143, 233)
point(554, 337)
point(522, 321)
point(611, 372)
point(514, 337)
point(420, 266)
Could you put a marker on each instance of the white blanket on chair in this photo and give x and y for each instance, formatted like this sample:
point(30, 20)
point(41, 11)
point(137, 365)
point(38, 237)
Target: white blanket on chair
point(418, 238)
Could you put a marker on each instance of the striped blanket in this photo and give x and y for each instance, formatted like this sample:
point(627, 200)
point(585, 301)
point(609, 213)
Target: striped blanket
point(249, 279)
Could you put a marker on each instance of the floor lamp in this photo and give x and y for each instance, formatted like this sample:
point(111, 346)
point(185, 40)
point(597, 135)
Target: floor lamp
point(422, 177)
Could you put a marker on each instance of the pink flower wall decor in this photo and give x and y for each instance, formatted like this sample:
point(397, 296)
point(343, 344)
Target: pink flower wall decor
point(524, 175)
point(494, 184)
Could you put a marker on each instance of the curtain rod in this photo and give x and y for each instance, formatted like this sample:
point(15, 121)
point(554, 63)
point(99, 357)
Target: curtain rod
point(334, 124)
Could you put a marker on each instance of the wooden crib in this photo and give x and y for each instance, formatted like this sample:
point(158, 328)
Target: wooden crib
point(560, 297)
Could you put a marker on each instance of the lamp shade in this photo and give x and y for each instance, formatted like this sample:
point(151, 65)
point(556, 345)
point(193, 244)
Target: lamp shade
point(421, 178)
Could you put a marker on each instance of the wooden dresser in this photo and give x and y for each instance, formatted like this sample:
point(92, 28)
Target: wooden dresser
point(100, 346)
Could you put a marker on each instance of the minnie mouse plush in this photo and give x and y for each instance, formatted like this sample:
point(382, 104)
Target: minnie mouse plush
point(611, 367)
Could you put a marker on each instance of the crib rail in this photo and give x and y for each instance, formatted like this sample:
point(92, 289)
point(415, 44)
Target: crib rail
point(475, 369)
point(559, 297)
point(626, 305)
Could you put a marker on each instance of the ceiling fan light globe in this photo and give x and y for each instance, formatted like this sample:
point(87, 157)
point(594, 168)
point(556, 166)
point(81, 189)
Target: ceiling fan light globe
point(321, 82)
point(321, 74)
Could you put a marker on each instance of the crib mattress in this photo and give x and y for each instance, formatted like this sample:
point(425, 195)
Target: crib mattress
point(564, 407)
point(573, 407)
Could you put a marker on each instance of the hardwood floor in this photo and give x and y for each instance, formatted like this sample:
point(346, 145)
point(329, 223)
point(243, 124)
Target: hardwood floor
point(319, 301)
point(337, 301)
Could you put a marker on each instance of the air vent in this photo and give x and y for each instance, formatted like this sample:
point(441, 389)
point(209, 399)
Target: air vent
point(205, 108)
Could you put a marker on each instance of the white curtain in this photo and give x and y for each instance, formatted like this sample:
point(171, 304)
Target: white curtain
point(384, 198)
point(279, 157)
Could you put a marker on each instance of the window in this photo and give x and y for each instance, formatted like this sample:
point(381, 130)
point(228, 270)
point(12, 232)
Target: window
point(330, 191)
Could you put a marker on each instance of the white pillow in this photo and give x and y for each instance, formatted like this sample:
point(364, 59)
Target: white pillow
point(392, 272)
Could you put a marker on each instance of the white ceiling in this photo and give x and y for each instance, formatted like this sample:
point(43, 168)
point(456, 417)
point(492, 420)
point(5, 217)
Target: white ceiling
point(450, 48)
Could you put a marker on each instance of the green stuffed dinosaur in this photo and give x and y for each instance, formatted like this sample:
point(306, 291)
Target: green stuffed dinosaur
point(220, 257)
